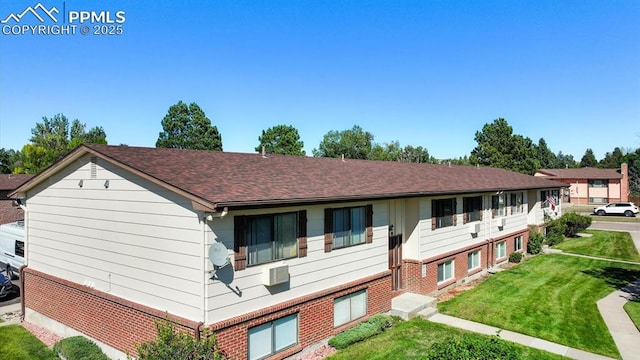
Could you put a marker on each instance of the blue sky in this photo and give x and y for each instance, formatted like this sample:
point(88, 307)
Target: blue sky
point(426, 73)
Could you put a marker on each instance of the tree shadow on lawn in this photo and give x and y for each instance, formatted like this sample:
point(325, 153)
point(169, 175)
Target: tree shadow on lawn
point(617, 278)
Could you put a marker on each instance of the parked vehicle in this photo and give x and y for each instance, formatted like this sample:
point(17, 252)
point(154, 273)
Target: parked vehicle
point(618, 208)
point(6, 287)
point(12, 248)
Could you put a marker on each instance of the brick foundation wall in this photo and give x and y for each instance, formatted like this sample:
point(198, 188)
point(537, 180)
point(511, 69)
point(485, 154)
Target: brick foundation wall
point(412, 269)
point(315, 316)
point(112, 320)
point(122, 324)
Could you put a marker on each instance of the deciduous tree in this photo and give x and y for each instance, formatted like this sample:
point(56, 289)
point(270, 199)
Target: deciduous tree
point(354, 143)
point(187, 127)
point(52, 139)
point(281, 139)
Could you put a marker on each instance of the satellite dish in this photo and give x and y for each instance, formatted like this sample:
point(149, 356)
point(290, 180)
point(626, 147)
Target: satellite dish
point(218, 254)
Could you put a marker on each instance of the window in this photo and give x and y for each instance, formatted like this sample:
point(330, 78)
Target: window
point(347, 226)
point(350, 307)
point(516, 203)
point(260, 239)
point(517, 243)
point(443, 213)
point(546, 195)
point(19, 248)
point(501, 250)
point(497, 205)
point(598, 183)
point(473, 260)
point(270, 338)
point(445, 271)
point(597, 200)
point(472, 207)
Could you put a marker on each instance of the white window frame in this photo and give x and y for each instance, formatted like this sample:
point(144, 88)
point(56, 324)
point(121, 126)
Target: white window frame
point(501, 250)
point(473, 260)
point(354, 304)
point(264, 348)
point(517, 243)
point(444, 268)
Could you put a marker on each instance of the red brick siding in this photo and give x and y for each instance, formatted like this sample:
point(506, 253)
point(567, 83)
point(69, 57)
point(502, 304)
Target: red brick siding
point(412, 269)
point(122, 324)
point(315, 316)
point(104, 317)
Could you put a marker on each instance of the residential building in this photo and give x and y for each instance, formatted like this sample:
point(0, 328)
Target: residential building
point(591, 186)
point(9, 210)
point(274, 253)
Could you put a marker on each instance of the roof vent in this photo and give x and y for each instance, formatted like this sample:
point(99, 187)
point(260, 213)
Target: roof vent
point(264, 153)
point(342, 157)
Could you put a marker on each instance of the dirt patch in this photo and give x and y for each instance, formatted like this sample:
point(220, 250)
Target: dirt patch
point(455, 291)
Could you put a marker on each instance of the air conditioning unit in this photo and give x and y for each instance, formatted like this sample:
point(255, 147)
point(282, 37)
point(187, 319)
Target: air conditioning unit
point(474, 228)
point(502, 222)
point(275, 275)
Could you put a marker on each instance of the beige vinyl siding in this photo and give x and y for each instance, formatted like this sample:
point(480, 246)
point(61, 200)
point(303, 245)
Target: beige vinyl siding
point(133, 239)
point(310, 274)
point(450, 238)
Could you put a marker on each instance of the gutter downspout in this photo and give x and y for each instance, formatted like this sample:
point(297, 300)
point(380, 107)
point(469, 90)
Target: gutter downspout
point(26, 261)
point(203, 276)
point(203, 262)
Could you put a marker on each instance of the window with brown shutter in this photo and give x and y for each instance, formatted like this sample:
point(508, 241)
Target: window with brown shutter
point(347, 226)
point(302, 233)
point(443, 213)
point(260, 239)
point(239, 243)
point(472, 208)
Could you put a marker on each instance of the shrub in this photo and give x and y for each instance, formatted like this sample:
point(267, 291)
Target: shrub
point(553, 238)
point(78, 348)
point(515, 257)
point(472, 347)
point(534, 246)
point(173, 344)
point(575, 223)
point(375, 325)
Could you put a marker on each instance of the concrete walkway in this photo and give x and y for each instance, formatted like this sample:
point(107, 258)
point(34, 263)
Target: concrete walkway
point(518, 338)
point(622, 329)
point(624, 332)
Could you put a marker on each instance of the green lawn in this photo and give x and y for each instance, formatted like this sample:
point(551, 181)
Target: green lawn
point(633, 309)
point(17, 343)
point(411, 339)
point(607, 244)
point(552, 297)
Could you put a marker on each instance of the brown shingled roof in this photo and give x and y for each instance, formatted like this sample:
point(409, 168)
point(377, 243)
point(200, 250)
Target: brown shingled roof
point(13, 181)
point(237, 179)
point(582, 173)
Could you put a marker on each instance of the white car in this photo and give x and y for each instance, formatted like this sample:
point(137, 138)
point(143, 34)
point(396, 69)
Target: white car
point(618, 208)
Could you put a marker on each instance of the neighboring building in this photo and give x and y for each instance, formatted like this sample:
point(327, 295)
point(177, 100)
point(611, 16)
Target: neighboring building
point(119, 236)
point(591, 186)
point(9, 211)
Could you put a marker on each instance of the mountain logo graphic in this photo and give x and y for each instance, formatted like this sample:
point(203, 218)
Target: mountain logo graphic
point(33, 11)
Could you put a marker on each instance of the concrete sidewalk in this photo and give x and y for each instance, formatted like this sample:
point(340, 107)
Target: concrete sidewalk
point(622, 329)
point(517, 338)
point(12, 308)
